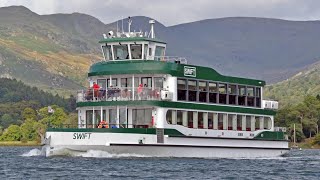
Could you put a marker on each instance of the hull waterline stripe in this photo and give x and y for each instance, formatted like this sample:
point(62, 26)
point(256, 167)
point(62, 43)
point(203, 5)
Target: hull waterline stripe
point(193, 146)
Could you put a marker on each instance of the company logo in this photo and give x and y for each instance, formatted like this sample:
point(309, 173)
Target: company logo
point(190, 71)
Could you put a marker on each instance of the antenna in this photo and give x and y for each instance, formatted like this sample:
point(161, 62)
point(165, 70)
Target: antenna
point(151, 22)
point(129, 24)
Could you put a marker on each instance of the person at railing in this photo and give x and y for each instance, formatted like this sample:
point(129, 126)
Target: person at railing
point(140, 89)
point(89, 94)
point(96, 88)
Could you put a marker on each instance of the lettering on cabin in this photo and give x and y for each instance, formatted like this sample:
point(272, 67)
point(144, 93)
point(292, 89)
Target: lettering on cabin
point(190, 71)
point(81, 135)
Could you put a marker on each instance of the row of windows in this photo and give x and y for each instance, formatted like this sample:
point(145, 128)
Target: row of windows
point(218, 121)
point(222, 93)
point(127, 82)
point(121, 51)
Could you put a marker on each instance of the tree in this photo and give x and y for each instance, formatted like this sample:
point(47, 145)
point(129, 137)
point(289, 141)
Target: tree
point(12, 133)
point(28, 131)
point(29, 113)
point(6, 120)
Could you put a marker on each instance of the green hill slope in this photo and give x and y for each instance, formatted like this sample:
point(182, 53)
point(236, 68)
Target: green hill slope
point(293, 90)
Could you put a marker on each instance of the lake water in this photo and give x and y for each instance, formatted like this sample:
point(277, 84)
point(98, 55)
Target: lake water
point(27, 163)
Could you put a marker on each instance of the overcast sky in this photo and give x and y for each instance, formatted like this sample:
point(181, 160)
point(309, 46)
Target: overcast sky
point(171, 12)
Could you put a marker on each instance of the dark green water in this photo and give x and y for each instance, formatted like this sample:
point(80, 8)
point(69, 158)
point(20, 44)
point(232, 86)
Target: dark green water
point(27, 163)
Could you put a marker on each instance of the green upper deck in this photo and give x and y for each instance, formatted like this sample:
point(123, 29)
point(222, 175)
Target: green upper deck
point(163, 67)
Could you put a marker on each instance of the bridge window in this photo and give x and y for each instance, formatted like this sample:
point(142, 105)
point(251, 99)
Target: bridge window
point(192, 86)
point(182, 90)
point(112, 83)
point(258, 98)
point(120, 52)
point(136, 51)
point(145, 51)
point(232, 91)
point(107, 52)
point(159, 52)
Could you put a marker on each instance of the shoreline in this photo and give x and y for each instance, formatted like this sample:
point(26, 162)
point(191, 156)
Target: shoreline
point(19, 143)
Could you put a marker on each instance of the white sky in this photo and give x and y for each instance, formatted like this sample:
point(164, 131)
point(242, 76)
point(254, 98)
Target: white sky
point(171, 12)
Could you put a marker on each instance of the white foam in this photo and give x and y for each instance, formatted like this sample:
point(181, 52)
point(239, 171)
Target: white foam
point(104, 154)
point(32, 152)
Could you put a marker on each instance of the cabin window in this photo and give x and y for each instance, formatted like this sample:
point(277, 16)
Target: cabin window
point(113, 118)
point(141, 118)
point(126, 82)
point(257, 123)
point(190, 119)
point(232, 91)
point(146, 82)
point(120, 52)
point(107, 52)
point(210, 120)
point(158, 82)
point(258, 99)
point(267, 123)
point(123, 118)
point(222, 93)
point(248, 123)
point(179, 117)
point(213, 92)
point(250, 91)
point(192, 86)
point(203, 91)
point(169, 116)
point(159, 53)
point(220, 121)
point(239, 122)
point(112, 83)
point(230, 121)
point(242, 95)
point(89, 121)
point(102, 83)
point(200, 120)
point(136, 51)
point(182, 92)
point(250, 101)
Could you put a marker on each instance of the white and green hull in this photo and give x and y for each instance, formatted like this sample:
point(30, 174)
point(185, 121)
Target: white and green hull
point(58, 143)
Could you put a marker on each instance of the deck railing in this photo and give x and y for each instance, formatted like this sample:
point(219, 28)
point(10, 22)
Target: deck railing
point(98, 126)
point(119, 94)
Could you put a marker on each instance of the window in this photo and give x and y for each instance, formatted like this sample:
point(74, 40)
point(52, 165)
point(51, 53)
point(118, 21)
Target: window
point(136, 51)
point(107, 52)
point(145, 51)
point(213, 92)
point(146, 82)
point(239, 122)
point(250, 91)
point(232, 91)
point(182, 92)
point(248, 123)
point(141, 118)
point(220, 121)
point(222, 88)
point(210, 120)
point(102, 83)
point(126, 82)
point(258, 97)
point(222, 93)
point(112, 117)
point(158, 82)
point(192, 86)
point(159, 53)
point(242, 95)
point(113, 83)
point(203, 91)
point(190, 119)
point(169, 116)
point(179, 117)
point(120, 52)
point(267, 123)
point(200, 120)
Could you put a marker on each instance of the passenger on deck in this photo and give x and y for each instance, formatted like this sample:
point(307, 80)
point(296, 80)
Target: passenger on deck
point(96, 88)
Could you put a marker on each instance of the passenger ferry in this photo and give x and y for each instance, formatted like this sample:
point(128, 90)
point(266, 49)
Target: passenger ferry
point(146, 103)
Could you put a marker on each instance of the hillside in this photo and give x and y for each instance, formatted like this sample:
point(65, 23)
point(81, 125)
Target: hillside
point(54, 52)
point(293, 90)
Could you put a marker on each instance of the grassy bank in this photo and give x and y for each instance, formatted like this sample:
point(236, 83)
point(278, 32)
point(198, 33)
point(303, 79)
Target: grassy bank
point(19, 143)
point(307, 144)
